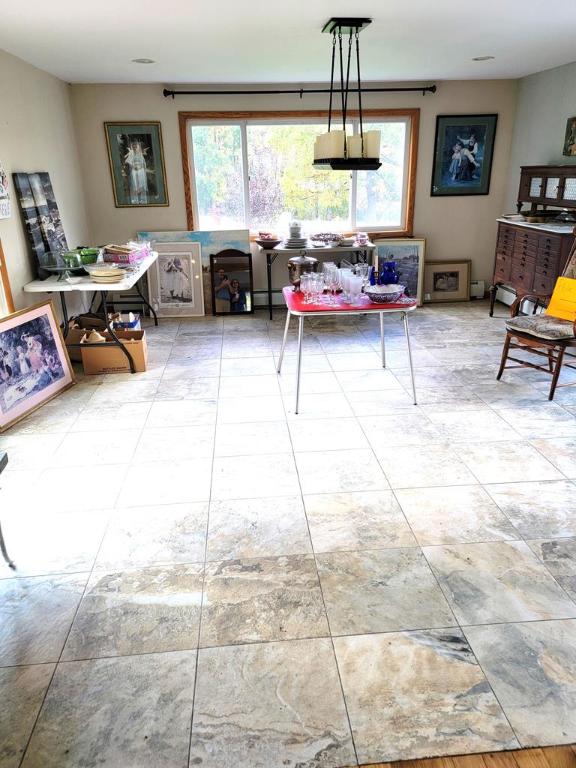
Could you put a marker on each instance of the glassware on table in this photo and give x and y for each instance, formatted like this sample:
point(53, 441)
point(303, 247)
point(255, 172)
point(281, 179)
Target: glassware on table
point(355, 287)
point(305, 285)
point(332, 279)
point(363, 271)
point(345, 275)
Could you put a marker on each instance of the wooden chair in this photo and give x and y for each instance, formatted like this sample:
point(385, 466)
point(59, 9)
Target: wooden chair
point(549, 334)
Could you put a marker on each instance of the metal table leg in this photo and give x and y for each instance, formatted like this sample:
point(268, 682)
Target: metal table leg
point(269, 278)
point(407, 332)
point(279, 368)
point(64, 314)
point(115, 338)
point(5, 554)
point(299, 359)
point(382, 341)
point(145, 302)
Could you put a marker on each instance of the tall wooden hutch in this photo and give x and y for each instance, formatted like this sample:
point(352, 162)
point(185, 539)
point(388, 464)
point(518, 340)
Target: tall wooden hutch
point(532, 248)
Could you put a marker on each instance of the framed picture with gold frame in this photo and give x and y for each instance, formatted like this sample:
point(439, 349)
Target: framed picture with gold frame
point(6, 300)
point(34, 362)
point(447, 281)
point(136, 158)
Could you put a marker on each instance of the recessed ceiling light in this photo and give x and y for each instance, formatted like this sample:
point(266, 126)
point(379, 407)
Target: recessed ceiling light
point(143, 61)
point(482, 58)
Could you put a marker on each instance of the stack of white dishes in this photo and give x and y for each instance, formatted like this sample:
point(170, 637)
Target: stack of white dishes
point(296, 240)
point(106, 274)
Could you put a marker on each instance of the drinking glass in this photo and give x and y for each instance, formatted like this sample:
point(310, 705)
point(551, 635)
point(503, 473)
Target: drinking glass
point(355, 283)
point(345, 275)
point(305, 286)
point(314, 285)
point(333, 284)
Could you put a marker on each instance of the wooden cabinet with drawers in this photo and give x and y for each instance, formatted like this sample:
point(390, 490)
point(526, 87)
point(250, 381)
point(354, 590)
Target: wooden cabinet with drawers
point(528, 259)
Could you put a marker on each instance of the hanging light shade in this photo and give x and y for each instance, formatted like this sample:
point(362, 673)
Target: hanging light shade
point(338, 149)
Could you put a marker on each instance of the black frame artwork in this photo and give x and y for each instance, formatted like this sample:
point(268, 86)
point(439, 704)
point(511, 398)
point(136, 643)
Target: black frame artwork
point(463, 154)
point(135, 152)
point(237, 266)
point(40, 215)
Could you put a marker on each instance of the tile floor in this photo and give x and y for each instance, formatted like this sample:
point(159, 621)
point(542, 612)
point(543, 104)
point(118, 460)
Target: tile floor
point(207, 579)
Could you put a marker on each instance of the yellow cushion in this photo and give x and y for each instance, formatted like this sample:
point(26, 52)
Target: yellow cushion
point(563, 301)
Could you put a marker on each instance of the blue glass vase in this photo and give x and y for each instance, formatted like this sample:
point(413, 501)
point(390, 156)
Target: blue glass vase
point(388, 274)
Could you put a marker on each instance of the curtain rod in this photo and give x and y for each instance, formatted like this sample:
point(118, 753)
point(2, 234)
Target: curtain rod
point(299, 91)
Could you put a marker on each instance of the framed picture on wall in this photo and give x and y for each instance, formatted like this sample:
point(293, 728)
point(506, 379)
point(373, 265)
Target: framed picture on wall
point(447, 281)
point(463, 151)
point(569, 148)
point(232, 283)
point(407, 254)
point(34, 362)
point(175, 280)
point(136, 161)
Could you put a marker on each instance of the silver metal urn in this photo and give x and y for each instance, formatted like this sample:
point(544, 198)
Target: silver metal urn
point(298, 265)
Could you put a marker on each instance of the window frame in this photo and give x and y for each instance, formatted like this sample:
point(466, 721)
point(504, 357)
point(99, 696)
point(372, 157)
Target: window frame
point(412, 116)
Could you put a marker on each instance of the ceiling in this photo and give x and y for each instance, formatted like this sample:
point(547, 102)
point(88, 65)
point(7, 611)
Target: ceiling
point(266, 41)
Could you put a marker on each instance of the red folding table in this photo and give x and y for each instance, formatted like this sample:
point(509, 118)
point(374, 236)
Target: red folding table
point(297, 307)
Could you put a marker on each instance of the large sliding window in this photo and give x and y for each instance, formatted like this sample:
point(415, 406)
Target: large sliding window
point(257, 173)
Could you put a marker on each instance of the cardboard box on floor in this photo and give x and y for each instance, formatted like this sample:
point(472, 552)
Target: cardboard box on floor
point(107, 357)
point(76, 330)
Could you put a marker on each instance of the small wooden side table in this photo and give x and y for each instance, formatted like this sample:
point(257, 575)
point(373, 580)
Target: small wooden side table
point(3, 463)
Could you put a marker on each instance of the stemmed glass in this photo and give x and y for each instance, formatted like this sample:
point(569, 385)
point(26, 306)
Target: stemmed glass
point(305, 284)
point(332, 281)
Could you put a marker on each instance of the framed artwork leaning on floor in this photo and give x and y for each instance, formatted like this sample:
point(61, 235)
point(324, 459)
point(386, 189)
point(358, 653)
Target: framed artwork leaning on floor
point(34, 362)
point(408, 255)
point(175, 280)
point(447, 281)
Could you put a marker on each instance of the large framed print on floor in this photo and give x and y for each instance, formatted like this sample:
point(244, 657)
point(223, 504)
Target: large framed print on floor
point(175, 280)
point(407, 253)
point(34, 362)
point(463, 151)
point(136, 158)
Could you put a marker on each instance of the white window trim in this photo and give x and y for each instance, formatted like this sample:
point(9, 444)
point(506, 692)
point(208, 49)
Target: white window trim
point(244, 123)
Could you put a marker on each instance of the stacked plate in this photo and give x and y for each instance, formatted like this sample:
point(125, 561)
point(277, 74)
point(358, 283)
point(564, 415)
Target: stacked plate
point(106, 275)
point(296, 242)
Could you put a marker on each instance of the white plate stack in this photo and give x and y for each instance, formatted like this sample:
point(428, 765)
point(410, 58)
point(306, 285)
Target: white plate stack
point(296, 240)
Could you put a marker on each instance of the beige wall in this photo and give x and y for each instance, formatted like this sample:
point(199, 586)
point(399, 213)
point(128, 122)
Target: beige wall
point(545, 102)
point(37, 134)
point(455, 227)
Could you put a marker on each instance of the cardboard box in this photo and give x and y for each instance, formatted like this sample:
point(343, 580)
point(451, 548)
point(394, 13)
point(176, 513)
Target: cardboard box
point(76, 330)
point(107, 357)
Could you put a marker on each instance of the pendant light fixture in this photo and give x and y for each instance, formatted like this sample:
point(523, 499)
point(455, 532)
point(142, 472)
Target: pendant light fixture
point(338, 149)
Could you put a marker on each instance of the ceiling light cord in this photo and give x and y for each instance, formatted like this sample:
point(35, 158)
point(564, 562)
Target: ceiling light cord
point(332, 80)
point(359, 90)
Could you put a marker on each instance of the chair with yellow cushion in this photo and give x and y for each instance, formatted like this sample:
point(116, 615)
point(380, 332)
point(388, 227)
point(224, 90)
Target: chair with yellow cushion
point(547, 335)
